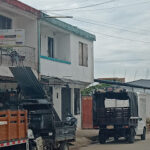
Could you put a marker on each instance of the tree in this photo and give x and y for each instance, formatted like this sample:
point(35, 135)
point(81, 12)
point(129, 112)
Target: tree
point(91, 89)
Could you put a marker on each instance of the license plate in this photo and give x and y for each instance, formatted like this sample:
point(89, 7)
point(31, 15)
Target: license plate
point(110, 127)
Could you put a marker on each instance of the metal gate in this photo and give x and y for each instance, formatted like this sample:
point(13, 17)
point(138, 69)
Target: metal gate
point(87, 113)
point(66, 102)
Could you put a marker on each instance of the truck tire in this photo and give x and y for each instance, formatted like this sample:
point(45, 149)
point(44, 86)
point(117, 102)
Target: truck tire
point(102, 139)
point(143, 136)
point(131, 137)
point(64, 146)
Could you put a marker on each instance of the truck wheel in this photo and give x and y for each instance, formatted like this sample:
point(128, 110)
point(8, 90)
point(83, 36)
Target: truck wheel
point(102, 139)
point(131, 137)
point(143, 136)
point(64, 146)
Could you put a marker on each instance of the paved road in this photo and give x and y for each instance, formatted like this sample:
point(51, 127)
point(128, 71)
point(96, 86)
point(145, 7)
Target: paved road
point(121, 145)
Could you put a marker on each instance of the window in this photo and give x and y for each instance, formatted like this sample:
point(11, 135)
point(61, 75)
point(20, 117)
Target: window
point(76, 101)
point(50, 47)
point(83, 54)
point(5, 23)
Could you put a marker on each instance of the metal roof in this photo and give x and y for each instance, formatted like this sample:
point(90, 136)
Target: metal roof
point(68, 27)
point(141, 82)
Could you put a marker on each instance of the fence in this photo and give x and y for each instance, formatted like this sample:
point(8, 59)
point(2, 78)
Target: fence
point(18, 56)
point(13, 125)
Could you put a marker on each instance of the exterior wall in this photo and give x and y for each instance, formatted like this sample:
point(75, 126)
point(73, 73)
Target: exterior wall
point(71, 70)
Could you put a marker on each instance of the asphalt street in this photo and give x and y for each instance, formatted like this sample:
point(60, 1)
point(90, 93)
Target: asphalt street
point(121, 145)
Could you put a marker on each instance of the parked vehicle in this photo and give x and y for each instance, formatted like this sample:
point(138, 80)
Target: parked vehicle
point(44, 129)
point(119, 114)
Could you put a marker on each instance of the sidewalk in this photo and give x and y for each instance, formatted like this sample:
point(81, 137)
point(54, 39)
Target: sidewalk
point(84, 138)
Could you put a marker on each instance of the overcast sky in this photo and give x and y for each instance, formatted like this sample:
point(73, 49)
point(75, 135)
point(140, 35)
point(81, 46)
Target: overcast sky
point(122, 29)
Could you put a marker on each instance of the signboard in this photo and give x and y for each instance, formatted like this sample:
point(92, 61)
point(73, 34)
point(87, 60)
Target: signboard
point(3, 123)
point(12, 37)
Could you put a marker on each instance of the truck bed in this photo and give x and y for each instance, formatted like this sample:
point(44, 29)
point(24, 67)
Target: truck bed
point(113, 116)
point(64, 131)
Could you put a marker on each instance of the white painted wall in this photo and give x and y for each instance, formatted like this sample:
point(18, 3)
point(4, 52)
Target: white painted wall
point(63, 46)
point(73, 70)
point(61, 42)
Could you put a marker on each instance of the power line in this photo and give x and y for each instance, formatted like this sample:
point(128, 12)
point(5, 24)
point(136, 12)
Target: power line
point(120, 6)
point(119, 61)
point(117, 37)
point(112, 24)
point(107, 25)
point(82, 7)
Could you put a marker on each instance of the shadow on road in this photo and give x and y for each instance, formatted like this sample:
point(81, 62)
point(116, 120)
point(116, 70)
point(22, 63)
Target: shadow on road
point(94, 140)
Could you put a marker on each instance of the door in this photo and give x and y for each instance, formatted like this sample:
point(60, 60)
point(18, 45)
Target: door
point(140, 127)
point(66, 102)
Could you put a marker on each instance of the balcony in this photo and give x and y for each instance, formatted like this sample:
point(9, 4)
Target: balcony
point(18, 56)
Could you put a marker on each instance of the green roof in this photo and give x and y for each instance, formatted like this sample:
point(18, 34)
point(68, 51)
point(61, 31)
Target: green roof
point(68, 27)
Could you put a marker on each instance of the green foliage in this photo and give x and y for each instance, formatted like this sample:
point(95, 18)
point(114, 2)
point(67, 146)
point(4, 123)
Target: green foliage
point(91, 89)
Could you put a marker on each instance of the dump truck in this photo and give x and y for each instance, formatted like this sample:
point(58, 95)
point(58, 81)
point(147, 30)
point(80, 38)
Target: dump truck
point(28, 119)
point(119, 114)
point(13, 122)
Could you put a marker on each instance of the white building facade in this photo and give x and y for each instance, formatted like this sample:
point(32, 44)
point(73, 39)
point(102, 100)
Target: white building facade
point(61, 54)
point(66, 61)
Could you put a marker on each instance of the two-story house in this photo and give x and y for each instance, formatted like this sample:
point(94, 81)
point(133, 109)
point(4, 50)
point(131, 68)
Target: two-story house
point(61, 54)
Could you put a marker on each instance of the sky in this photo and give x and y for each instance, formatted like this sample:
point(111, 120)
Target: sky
point(122, 29)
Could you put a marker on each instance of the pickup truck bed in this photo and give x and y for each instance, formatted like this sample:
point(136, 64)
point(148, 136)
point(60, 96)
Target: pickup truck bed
point(113, 116)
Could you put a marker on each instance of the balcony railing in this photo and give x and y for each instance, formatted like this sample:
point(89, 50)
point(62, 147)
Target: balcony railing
point(18, 56)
